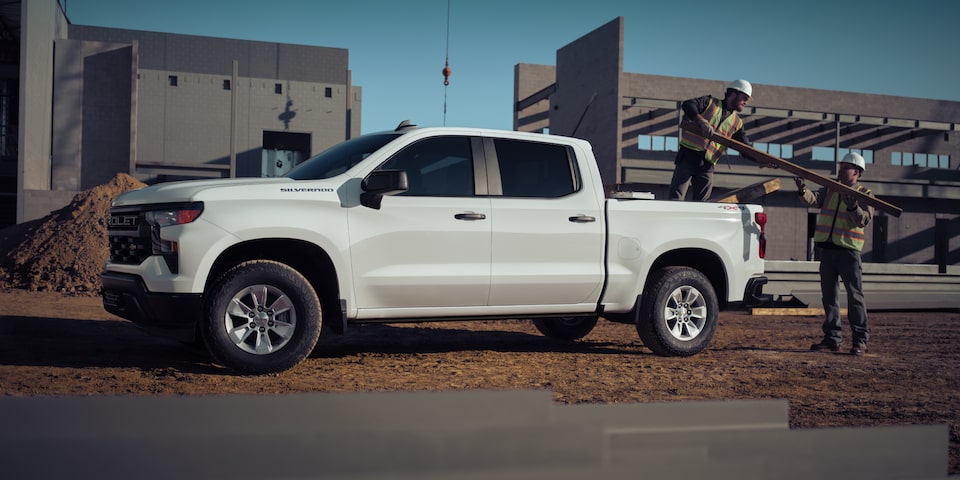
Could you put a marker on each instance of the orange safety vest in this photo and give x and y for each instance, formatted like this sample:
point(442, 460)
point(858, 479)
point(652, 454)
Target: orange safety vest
point(837, 225)
point(724, 126)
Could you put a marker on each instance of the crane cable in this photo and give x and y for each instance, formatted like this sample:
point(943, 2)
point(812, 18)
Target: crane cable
point(446, 67)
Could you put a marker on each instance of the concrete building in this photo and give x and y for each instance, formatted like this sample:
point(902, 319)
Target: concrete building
point(912, 145)
point(79, 104)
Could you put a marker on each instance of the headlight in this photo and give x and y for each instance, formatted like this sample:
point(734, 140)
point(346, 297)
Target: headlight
point(165, 217)
point(174, 216)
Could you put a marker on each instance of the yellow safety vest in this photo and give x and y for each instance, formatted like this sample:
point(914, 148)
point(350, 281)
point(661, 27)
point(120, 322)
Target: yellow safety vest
point(724, 126)
point(837, 225)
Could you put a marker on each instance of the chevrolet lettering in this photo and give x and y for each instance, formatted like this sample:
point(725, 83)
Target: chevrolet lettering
point(121, 221)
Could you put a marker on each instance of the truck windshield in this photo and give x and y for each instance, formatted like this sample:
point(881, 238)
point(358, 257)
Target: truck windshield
point(341, 157)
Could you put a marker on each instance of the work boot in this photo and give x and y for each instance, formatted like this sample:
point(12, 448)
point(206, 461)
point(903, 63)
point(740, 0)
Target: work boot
point(825, 346)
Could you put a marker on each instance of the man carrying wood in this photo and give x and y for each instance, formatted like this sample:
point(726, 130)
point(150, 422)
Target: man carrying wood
point(840, 237)
point(697, 155)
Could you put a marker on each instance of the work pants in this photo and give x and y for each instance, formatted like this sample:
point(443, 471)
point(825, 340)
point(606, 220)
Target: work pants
point(843, 264)
point(691, 169)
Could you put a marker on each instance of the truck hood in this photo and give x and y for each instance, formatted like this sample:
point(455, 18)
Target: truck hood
point(191, 190)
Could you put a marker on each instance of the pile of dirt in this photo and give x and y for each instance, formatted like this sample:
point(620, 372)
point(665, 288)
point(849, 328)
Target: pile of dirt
point(66, 250)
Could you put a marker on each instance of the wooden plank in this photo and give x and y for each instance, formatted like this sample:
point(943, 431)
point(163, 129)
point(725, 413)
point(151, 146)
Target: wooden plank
point(765, 158)
point(751, 192)
point(687, 416)
point(800, 312)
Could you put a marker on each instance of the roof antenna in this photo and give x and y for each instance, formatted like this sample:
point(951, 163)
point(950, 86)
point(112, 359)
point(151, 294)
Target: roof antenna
point(446, 68)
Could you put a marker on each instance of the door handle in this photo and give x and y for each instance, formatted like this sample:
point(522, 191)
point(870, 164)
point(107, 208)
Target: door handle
point(582, 219)
point(470, 216)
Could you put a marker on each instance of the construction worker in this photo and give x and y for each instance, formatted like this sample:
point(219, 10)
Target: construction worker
point(697, 156)
point(839, 236)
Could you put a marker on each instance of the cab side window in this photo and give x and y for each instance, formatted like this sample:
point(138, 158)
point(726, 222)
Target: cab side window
point(531, 169)
point(439, 166)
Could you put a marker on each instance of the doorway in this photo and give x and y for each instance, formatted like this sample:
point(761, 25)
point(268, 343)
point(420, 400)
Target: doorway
point(282, 151)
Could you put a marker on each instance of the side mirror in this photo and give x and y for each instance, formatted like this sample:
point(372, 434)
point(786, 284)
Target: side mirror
point(380, 183)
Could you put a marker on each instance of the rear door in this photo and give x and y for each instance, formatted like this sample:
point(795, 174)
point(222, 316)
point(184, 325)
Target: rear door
point(548, 242)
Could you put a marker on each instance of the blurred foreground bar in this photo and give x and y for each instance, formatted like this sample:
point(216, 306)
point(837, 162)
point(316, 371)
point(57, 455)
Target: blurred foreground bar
point(444, 435)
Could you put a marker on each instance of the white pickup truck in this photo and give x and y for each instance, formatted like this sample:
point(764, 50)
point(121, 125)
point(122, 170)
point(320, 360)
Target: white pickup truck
point(424, 224)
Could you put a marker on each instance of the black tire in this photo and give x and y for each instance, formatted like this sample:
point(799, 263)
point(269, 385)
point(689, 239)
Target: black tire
point(261, 317)
point(678, 313)
point(565, 328)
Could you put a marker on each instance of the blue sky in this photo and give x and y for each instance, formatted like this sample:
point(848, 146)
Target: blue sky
point(397, 48)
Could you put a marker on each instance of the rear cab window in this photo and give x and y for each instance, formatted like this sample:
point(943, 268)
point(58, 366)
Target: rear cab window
point(532, 169)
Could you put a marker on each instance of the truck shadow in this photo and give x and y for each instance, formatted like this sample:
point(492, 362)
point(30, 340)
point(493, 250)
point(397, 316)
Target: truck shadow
point(393, 339)
point(71, 343)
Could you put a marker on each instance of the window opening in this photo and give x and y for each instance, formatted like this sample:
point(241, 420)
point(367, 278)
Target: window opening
point(531, 169)
point(440, 166)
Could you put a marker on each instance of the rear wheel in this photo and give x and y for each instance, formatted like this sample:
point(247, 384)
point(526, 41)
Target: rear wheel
point(261, 317)
point(565, 328)
point(678, 314)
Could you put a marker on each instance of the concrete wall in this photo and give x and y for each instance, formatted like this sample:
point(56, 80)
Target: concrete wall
point(587, 102)
point(42, 23)
point(529, 80)
point(91, 113)
point(211, 55)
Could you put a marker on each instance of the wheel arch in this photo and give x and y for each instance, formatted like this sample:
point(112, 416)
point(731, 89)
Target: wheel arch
point(705, 261)
point(309, 259)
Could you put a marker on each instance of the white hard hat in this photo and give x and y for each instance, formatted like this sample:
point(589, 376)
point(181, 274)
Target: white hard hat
point(854, 158)
point(742, 86)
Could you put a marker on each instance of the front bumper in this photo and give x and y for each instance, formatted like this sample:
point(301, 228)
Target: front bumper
point(173, 315)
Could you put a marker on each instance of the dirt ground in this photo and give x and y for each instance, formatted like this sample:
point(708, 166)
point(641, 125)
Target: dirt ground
point(57, 344)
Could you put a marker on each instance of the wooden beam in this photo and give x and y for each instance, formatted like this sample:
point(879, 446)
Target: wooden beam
point(770, 160)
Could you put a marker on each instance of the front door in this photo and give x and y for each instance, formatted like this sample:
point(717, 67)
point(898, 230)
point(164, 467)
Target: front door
point(428, 248)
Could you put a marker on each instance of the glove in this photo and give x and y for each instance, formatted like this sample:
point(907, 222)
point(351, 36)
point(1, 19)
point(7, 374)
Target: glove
point(705, 128)
point(800, 185)
point(850, 200)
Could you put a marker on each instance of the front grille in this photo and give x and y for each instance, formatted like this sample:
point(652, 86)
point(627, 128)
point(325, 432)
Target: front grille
point(128, 237)
point(128, 250)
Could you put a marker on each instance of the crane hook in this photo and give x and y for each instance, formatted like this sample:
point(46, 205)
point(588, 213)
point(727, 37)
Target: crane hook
point(446, 73)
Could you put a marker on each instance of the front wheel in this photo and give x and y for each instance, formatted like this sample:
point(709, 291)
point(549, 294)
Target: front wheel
point(261, 317)
point(678, 314)
point(565, 328)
